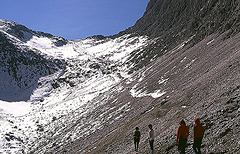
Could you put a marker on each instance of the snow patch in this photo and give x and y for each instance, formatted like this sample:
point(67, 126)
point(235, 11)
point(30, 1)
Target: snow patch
point(117, 49)
point(210, 41)
point(46, 46)
point(163, 80)
point(189, 64)
point(15, 108)
point(139, 93)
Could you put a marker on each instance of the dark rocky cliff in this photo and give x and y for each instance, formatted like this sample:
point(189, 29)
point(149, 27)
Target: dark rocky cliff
point(184, 18)
point(172, 22)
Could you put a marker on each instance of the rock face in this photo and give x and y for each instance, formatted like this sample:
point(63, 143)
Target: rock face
point(181, 17)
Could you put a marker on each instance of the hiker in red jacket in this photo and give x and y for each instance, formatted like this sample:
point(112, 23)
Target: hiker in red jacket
point(182, 135)
point(198, 132)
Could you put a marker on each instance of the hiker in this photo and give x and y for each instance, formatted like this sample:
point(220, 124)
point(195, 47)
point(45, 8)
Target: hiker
point(198, 132)
point(182, 135)
point(137, 136)
point(151, 136)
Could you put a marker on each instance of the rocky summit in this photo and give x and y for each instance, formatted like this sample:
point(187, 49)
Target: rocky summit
point(181, 60)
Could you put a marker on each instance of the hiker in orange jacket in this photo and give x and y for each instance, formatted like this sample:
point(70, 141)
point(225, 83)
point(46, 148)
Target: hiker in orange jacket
point(198, 132)
point(182, 135)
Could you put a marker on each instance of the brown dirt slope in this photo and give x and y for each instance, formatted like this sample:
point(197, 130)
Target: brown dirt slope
point(203, 82)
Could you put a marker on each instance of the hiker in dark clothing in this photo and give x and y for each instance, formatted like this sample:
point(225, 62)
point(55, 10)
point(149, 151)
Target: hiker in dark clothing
point(198, 132)
point(151, 136)
point(182, 135)
point(137, 136)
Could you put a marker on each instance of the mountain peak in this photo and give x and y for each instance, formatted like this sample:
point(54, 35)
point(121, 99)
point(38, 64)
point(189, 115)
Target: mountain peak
point(3, 21)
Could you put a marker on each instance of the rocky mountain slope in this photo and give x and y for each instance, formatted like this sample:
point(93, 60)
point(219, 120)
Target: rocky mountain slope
point(181, 60)
point(201, 82)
